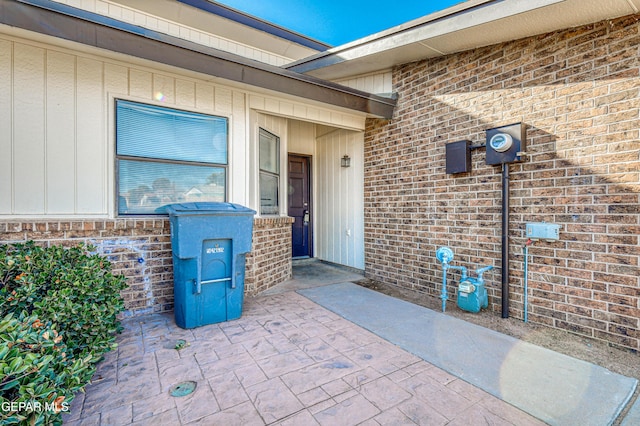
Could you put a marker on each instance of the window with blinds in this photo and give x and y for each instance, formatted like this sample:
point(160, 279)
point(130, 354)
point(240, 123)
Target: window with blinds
point(166, 156)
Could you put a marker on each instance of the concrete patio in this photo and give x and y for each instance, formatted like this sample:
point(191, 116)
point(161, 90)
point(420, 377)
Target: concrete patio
point(316, 351)
point(287, 361)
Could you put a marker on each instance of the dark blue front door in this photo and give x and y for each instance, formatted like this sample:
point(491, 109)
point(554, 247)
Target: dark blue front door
point(300, 205)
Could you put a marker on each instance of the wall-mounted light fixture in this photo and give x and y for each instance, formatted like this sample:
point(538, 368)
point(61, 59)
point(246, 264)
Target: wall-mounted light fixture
point(345, 161)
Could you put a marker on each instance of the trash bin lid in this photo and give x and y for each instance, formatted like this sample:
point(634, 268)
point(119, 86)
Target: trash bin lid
point(205, 208)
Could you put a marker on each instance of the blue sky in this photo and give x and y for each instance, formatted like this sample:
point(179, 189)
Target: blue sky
point(338, 21)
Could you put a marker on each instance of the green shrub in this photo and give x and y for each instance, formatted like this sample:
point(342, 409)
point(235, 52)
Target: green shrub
point(59, 308)
point(38, 379)
point(72, 288)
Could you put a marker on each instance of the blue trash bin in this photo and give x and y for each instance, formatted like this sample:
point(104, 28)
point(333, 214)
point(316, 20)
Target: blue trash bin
point(209, 243)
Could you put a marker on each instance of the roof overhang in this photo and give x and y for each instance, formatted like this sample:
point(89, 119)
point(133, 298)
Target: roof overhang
point(61, 21)
point(226, 23)
point(218, 10)
point(466, 26)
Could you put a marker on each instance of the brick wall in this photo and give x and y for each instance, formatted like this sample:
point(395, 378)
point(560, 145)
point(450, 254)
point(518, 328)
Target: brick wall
point(140, 249)
point(270, 261)
point(578, 91)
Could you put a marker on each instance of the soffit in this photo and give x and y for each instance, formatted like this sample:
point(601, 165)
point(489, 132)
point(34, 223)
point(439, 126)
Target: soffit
point(208, 21)
point(467, 26)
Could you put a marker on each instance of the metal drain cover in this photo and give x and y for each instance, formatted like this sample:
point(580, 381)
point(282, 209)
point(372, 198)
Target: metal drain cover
point(183, 389)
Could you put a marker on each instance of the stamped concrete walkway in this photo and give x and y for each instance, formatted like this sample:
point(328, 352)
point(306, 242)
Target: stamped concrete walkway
point(287, 361)
point(555, 388)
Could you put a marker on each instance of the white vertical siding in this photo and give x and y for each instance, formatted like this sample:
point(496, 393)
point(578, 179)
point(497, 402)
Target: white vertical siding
point(92, 152)
point(340, 198)
point(163, 87)
point(185, 93)
point(204, 97)
point(239, 178)
point(308, 113)
point(373, 83)
point(29, 129)
point(60, 150)
point(302, 137)
point(116, 81)
point(141, 86)
point(57, 127)
point(6, 126)
point(224, 98)
point(57, 136)
point(116, 78)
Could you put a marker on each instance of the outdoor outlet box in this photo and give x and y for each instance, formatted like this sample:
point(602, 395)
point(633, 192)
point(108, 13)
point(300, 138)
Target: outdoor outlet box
point(506, 144)
point(458, 157)
point(543, 231)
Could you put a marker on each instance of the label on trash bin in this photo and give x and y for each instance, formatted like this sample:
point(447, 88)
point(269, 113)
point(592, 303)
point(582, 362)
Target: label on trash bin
point(215, 249)
point(216, 260)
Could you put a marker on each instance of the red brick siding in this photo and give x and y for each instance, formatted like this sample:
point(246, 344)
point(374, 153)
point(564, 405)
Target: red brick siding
point(270, 261)
point(578, 91)
point(141, 250)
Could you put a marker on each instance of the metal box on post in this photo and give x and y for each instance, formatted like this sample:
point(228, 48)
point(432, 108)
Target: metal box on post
point(209, 242)
point(458, 157)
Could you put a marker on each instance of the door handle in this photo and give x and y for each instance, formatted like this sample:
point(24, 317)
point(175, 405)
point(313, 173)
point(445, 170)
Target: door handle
point(305, 218)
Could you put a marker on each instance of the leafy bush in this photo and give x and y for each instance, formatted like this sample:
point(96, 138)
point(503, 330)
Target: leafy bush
point(38, 379)
point(73, 289)
point(59, 308)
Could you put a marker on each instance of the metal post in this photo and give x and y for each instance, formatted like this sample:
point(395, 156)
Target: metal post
point(443, 294)
point(505, 240)
point(525, 290)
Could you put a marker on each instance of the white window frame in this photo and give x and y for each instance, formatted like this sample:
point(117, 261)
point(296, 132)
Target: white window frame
point(273, 172)
point(207, 164)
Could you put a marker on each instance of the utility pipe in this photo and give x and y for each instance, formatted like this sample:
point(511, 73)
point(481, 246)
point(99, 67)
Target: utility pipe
point(443, 294)
point(505, 240)
point(481, 271)
point(526, 279)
